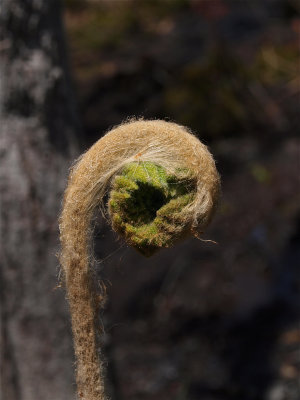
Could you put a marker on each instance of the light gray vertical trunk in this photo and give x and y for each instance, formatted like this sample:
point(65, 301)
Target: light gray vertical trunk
point(38, 139)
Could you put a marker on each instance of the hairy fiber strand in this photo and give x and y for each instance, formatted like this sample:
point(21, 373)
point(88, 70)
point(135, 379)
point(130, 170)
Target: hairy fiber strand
point(163, 186)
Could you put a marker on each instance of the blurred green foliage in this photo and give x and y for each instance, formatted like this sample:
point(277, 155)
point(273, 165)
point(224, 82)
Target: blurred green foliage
point(109, 24)
point(222, 88)
point(218, 94)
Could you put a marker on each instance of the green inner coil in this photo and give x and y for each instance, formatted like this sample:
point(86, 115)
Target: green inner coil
point(146, 205)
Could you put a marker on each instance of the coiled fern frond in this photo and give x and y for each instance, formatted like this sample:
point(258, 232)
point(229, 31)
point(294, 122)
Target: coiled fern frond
point(162, 186)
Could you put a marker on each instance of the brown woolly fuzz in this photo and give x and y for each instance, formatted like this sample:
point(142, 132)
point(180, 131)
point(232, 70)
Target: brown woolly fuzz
point(163, 187)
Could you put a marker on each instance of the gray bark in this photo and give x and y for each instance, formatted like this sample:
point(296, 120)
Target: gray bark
point(38, 140)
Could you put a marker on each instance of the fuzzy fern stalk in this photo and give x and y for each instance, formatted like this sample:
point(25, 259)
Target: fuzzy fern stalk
point(162, 186)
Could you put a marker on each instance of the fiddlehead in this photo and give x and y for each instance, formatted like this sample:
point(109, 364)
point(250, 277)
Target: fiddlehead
point(163, 186)
point(146, 205)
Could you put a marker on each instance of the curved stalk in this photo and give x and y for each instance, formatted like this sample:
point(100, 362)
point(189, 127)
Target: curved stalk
point(163, 186)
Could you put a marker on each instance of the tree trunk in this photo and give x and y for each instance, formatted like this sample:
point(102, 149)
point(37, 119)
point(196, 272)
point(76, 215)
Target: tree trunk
point(38, 139)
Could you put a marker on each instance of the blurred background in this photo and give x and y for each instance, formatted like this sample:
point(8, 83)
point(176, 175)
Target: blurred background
point(201, 321)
